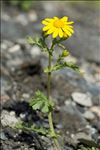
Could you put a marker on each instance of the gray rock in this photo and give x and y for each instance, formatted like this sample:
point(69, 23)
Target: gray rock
point(82, 99)
point(35, 51)
point(3, 136)
point(71, 119)
point(80, 135)
point(89, 115)
point(8, 119)
point(96, 110)
point(15, 48)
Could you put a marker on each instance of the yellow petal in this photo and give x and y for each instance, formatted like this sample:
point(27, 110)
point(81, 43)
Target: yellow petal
point(65, 35)
point(49, 19)
point(71, 22)
point(45, 22)
point(56, 18)
point(60, 33)
point(55, 34)
point(69, 29)
point(69, 26)
point(46, 28)
point(64, 18)
point(51, 30)
point(67, 32)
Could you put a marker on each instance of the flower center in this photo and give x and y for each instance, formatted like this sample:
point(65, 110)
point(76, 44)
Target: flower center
point(58, 23)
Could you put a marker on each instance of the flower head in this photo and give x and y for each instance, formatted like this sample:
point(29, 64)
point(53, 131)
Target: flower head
point(65, 53)
point(58, 27)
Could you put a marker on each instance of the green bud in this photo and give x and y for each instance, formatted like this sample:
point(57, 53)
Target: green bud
point(65, 53)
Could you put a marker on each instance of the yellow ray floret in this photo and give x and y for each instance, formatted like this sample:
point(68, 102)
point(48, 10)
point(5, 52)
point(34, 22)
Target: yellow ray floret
point(58, 27)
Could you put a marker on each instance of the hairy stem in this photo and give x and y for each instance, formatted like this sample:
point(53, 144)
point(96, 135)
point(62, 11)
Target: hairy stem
point(50, 114)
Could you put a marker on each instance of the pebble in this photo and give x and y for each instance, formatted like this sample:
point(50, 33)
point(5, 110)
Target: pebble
point(25, 95)
point(21, 18)
point(91, 130)
point(15, 48)
point(22, 116)
point(3, 46)
point(82, 99)
point(96, 110)
point(35, 51)
point(97, 126)
point(8, 119)
point(32, 16)
point(8, 43)
point(80, 135)
point(3, 136)
point(89, 115)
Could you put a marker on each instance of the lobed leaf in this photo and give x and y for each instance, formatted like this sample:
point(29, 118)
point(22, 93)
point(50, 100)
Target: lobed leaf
point(30, 40)
point(40, 102)
point(62, 65)
point(37, 41)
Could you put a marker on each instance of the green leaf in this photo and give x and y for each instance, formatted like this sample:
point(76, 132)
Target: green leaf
point(40, 102)
point(40, 130)
point(39, 42)
point(32, 127)
point(62, 65)
point(37, 105)
point(30, 40)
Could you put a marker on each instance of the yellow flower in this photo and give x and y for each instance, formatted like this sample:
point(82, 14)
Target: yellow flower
point(58, 27)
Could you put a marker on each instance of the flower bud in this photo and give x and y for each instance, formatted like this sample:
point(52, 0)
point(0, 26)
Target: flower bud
point(65, 53)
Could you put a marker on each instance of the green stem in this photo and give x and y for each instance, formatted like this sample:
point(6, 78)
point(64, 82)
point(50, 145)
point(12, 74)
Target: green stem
point(50, 114)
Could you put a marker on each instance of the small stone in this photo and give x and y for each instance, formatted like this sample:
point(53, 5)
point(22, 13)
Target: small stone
point(8, 43)
point(51, 148)
point(22, 116)
point(82, 99)
point(32, 16)
point(25, 95)
point(97, 126)
point(3, 46)
point(3, 136)
point(89, 115)
point(97, 77)
point(12, 113)
point(80, 135)
point(15, 48)
point(35, 51)
point(8, 119)
point(5, 17)
point(96, 110)
point(59, 126)
point(21, 18)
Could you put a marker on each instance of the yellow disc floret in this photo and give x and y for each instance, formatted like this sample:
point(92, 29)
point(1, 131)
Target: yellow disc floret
point(58, 23)
point(58, 27)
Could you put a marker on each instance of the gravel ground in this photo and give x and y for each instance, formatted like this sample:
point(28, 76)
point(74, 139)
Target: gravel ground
point(77, 98)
